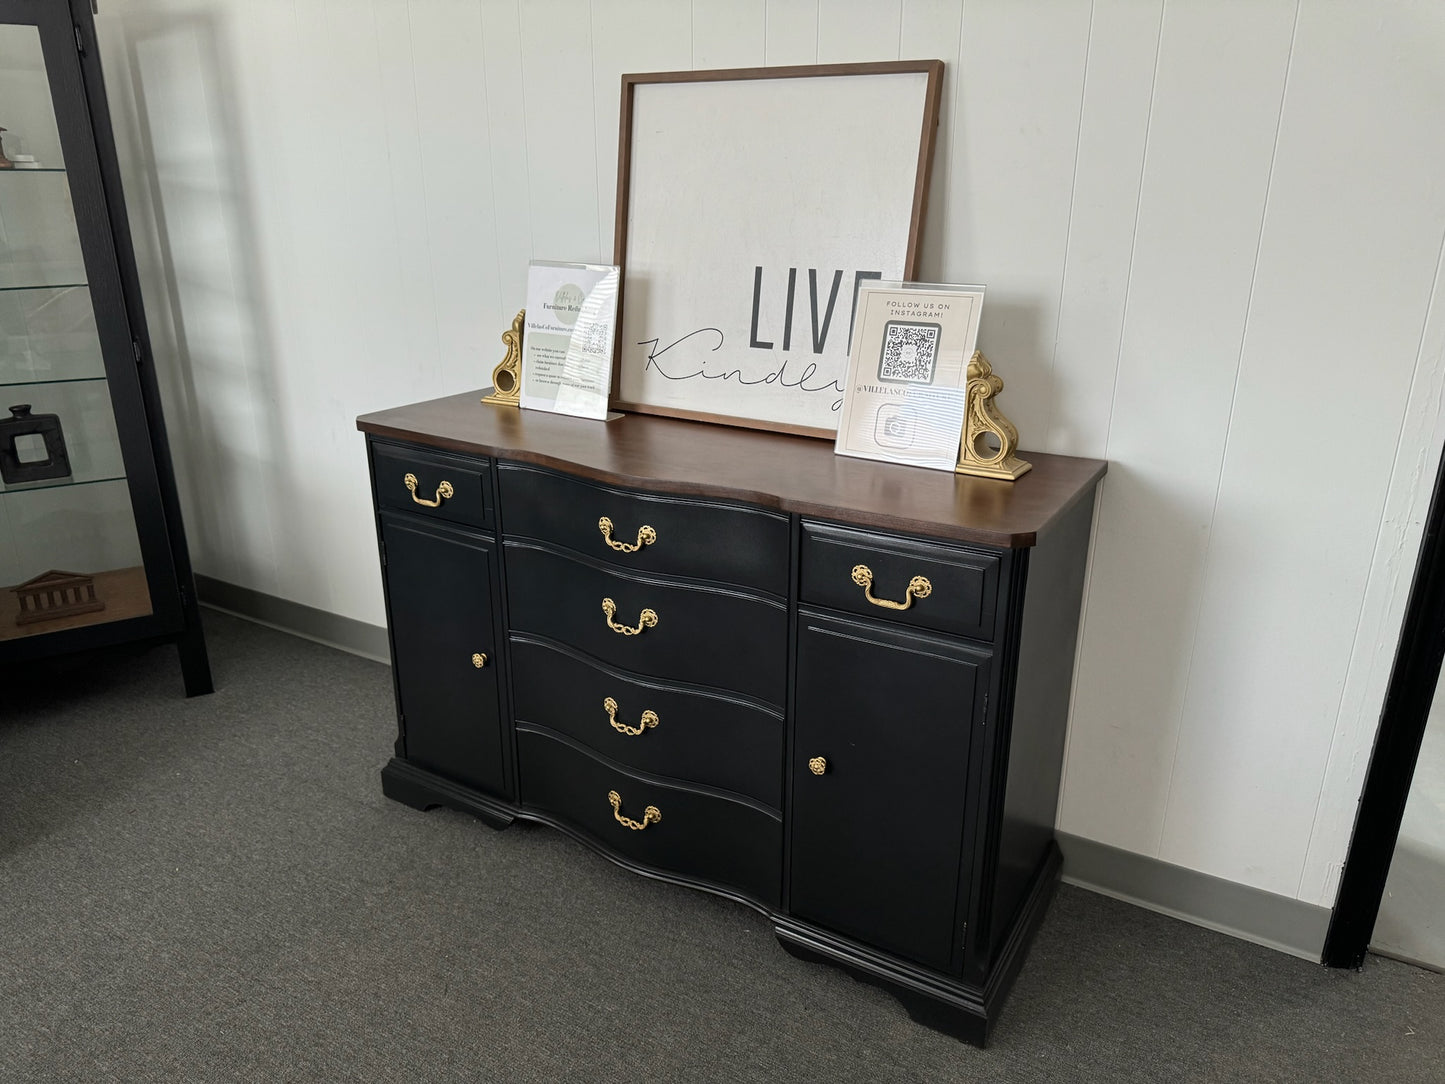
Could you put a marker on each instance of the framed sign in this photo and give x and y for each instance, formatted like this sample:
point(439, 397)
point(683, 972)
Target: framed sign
point(908, 374)
point(751, 207)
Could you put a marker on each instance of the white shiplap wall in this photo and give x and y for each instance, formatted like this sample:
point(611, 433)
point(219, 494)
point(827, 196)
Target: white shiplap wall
point(1212, 234)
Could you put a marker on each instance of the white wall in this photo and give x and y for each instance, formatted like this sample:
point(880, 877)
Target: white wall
point(1211, 232)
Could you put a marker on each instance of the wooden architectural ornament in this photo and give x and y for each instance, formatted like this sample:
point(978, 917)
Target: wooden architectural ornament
point(989, 439)
point(507, 376)
point(56, 594)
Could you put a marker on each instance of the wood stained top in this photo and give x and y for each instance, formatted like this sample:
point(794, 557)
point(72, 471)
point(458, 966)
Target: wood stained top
point(774, 470)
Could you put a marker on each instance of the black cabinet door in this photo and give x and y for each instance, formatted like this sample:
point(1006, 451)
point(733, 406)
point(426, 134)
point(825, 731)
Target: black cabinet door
point(439, 593)
point(884, 723)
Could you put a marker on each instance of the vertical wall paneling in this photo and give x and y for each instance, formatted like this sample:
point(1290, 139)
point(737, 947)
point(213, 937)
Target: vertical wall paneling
point(791, 33)
point(728, 33)
point(855, 30)
point(617, 48)
point(1350, 245)
point(1206, 170)
point(1011, 175)
point(344, 230)
point(507, 137)
point(1211, 233)
point(563, 160)
point(1113, 126)
point(416, 335)
point(932, 30)
point(451, 104)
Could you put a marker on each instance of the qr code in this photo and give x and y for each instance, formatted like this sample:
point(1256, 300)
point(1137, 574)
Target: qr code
point(909, 352)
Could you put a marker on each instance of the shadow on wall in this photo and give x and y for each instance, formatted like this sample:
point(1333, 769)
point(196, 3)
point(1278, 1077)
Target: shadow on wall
point(1013, 336)
point(228, 439)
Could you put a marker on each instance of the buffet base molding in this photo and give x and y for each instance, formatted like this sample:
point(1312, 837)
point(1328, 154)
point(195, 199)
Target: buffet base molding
point(958, 1009)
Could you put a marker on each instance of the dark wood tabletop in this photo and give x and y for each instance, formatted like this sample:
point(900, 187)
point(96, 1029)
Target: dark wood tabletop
point(774, 470)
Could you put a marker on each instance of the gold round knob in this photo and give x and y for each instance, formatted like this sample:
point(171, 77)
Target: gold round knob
point(818, 765)
point(479, 660)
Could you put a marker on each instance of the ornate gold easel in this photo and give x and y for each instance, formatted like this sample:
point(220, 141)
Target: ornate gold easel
point(507, 376)
point(984, 425)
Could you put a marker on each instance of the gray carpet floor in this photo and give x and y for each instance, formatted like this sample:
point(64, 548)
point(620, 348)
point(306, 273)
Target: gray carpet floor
point(216, 890)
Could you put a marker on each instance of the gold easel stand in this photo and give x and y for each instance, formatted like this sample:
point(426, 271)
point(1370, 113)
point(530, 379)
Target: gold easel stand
point(982, 420)
point(507, 376)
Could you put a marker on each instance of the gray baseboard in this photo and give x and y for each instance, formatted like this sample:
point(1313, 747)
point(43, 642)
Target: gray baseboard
point(346, 633)
point(1278, 922)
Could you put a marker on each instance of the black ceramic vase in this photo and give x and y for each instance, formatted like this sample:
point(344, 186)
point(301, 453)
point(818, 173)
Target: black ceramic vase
point(13, 468)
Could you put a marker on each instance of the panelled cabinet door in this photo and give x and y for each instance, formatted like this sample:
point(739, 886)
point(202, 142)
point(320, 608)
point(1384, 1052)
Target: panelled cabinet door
point(444, 646)
point(884, 723)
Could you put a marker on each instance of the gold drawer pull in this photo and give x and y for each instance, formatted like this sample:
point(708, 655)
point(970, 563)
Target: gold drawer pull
point(818, 765)
point(646, 536)
point(649, 718)
point(443, 492)
point(650, 815)
point(645, 620)
point(918, 587)
point(479, 659)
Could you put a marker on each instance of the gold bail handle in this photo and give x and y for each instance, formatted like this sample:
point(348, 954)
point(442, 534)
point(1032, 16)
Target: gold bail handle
point(645, 620)
point(918, 587)
point(649, 719)
point(646, 536)
point(650, 815)
point(443, 492)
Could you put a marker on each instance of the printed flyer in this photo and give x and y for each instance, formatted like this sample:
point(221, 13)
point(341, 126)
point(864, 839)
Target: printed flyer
point(567, 340)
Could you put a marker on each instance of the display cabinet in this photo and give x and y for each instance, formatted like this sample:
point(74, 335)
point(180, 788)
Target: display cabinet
point(92, 549)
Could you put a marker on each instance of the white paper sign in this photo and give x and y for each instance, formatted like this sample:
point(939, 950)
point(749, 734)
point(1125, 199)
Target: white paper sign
point(567, 337)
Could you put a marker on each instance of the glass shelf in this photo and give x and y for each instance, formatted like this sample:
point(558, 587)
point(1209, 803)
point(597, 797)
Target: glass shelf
point(49, 380)
point(55, 483)
point(48, 336)
point(46, 286)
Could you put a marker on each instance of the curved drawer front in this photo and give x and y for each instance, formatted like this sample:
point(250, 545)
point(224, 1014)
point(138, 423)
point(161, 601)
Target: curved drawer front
point(662, 729)
point(700, 539)
point(716, 638)
point(701, 836)
point(932, 585)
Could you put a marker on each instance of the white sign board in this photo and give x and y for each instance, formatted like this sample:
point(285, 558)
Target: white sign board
point(755, 208)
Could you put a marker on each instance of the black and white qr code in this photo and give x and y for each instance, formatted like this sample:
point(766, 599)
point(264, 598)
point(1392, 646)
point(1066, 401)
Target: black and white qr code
point(909, 353)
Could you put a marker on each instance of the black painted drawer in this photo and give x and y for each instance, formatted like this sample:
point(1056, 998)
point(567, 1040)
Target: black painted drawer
point(698, 835)
point(693, 736)
point(699, 539)
point(467, 480)
point(703, 636)
point(962, 584)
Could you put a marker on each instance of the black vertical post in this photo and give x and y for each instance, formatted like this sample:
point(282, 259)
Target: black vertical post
point(1397, 746)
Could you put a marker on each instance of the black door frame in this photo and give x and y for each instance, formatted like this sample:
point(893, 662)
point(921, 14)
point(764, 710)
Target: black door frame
point(1397, 747)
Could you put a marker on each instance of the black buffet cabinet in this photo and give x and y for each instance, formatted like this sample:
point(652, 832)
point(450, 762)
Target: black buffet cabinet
point(831, 689)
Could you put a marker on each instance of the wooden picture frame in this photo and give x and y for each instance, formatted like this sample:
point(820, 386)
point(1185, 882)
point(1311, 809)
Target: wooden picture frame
point(728, 254)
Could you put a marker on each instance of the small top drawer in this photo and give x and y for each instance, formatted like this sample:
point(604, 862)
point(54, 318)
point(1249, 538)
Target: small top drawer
point(647, 532)
point(430, 484)
point(930, 585)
